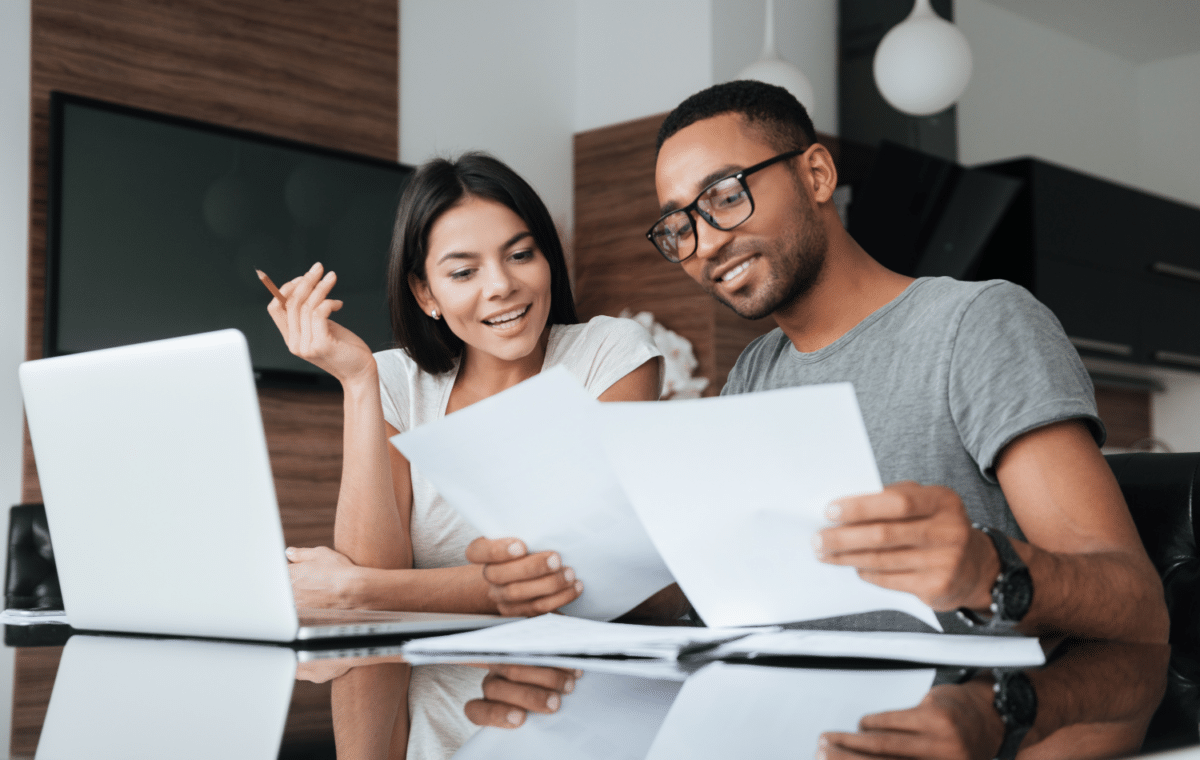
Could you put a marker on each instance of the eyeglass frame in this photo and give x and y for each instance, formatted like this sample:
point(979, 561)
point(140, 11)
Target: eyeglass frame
point(740, 176)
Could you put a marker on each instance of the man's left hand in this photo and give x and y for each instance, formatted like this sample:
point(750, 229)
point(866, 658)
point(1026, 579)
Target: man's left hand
point(913, 538)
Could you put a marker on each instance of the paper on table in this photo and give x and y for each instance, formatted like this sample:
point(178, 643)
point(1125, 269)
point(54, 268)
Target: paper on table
point(528, 463)
point(607, 717)
point(562, 635)
point(928, 648)
point(730, 710)
point(732, 490)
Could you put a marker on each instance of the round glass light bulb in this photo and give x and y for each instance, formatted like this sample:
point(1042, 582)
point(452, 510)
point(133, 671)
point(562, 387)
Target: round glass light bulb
point(923, 64)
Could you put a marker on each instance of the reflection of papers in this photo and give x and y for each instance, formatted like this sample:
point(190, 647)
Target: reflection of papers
point(733, 489)
point(663, 670)
point(528, 463)
point(607, 717)
point(562, 635)
point(930, 648)
point(727, 711)
point(123, 697)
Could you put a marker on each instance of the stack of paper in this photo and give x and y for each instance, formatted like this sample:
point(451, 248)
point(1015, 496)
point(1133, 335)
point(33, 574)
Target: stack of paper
point(725, 492)
point(562, 636)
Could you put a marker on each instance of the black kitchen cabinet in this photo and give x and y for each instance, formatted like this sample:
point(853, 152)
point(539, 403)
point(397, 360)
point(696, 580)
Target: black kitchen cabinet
point(1118, 266)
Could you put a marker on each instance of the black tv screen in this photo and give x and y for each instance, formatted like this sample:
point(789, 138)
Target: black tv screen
point(156, 224)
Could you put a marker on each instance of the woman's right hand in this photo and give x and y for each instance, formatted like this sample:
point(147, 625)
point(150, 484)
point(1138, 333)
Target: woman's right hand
point(309, 332)
point(521, 583)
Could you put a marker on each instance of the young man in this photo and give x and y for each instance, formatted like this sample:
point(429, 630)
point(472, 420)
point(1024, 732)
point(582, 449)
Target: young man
point(978, 408)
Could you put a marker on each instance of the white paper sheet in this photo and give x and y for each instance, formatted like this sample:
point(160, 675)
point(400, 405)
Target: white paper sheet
point(732, 490)
point(562, 635)
point(927, 648)
point(607, 717)
point(729, 710)
point(528, 463)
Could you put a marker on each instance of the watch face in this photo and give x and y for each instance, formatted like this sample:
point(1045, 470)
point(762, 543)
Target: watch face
point(1016, 700)
point(1016, 594)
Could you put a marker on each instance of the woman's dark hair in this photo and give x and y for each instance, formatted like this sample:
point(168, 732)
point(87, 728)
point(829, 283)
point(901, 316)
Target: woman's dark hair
point(433, 190)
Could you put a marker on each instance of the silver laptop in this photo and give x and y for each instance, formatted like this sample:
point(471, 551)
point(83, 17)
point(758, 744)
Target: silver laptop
point(160, 500)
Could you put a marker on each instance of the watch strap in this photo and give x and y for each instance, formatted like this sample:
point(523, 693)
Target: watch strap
point(1011, 565)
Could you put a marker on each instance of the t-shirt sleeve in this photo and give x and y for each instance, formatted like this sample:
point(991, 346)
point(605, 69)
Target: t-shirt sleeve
point(606, 349)
point(1012, 370)
point(395, 381)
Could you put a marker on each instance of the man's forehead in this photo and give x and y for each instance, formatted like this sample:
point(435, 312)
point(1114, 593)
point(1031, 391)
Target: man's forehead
point(700, 152)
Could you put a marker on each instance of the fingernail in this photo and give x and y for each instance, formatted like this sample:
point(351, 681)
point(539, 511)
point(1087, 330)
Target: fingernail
point(553, 562)
point(328, 275)
point(817, 542)
point(822, 742)
point(833, 512)
point(553, 701)
point(515, 717)
point(569, 575)
point(315, 267)
point(290, 551)
point(569, 686)
point(516, 549)
point(579, 674)
point(579, 586)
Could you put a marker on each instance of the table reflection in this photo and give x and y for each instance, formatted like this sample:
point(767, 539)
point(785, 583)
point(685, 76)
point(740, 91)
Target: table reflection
point(1095, 700)
point(141, 697)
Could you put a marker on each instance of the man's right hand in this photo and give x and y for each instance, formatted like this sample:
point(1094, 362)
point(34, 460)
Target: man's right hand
point(523, 584)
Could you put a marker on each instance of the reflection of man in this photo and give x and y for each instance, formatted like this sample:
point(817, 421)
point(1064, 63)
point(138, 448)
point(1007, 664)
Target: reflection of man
point(970, 390)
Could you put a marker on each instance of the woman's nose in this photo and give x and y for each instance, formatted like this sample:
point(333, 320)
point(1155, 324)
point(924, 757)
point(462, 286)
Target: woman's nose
point(499, 282)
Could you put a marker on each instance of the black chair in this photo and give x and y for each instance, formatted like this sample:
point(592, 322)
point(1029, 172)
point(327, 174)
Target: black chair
point(31, 578)
point(1161, 491)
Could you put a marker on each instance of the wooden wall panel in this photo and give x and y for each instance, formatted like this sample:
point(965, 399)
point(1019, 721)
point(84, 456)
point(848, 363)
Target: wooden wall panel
point(318, 71)
point(1126, 414)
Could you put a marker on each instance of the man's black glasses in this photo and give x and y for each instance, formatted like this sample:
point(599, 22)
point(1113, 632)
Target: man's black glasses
point(724, 204)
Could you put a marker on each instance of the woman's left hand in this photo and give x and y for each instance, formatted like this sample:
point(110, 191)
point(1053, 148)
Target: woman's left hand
point(322, 578)
point(521, 583)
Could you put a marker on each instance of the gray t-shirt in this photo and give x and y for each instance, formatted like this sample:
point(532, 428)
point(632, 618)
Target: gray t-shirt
point(946, 374)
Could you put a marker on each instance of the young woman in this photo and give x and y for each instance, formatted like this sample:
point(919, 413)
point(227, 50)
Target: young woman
point(479, 301)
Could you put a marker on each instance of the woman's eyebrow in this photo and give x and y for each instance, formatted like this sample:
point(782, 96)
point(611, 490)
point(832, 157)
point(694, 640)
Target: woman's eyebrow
point(513, 240)
point(457, 255)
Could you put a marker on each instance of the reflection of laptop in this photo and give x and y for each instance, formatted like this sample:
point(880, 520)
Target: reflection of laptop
point(118, 697)
point(158, 491)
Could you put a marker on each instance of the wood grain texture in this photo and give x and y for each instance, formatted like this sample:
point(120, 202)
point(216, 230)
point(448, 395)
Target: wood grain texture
point(317, 71)
point(616, 268)
point(1126, 414)
point(33, 680)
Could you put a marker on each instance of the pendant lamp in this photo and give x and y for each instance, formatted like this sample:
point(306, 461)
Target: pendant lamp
point(772, 69)
point(923, 64)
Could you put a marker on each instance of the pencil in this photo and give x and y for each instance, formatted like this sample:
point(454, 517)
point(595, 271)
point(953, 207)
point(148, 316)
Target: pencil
point(271, 287)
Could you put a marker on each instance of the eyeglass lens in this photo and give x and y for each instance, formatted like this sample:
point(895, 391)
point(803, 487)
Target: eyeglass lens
point(724, 204)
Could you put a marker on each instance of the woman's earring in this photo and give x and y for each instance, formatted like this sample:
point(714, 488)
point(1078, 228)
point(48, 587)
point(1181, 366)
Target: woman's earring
point(433, 313)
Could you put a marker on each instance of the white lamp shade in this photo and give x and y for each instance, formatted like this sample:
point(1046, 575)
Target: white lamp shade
point(923, 64)
point(779, 72)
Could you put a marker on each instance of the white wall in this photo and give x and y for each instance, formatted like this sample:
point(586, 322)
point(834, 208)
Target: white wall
point(634, 58)
point(477, 74)
point(14, 252)
point(1168, 114)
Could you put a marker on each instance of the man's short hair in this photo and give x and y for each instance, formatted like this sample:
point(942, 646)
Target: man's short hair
point(774, 111)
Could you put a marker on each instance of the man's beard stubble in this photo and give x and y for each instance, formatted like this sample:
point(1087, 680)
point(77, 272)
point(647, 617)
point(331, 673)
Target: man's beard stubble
point(795, 267)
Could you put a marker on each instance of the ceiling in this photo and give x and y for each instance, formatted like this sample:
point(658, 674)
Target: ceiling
point(1136, 30)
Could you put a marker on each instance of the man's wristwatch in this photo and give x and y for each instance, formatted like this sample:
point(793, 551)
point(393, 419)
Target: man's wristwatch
point(1016, 701)
point(1012, 593)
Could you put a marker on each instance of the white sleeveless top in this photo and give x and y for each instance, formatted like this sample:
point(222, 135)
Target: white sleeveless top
point(599, 353)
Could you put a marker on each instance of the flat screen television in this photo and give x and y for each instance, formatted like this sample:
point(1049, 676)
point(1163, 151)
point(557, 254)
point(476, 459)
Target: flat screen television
point(155, 225)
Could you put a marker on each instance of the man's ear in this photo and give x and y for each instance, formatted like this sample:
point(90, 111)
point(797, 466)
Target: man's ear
point(420, 291)
point(819, 173)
